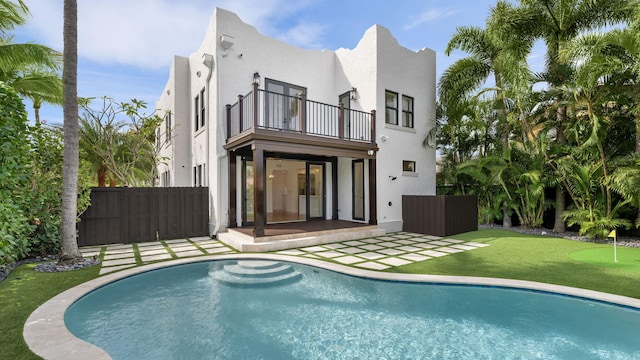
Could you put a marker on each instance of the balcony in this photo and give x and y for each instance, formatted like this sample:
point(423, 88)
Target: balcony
point(296, 118)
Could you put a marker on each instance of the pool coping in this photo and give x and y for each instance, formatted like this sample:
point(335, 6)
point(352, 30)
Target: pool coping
point(47, 336)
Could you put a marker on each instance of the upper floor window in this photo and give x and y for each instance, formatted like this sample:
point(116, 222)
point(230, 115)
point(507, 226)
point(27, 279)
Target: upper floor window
point(196, 111)
point(167, 124)
point(407, 111)
point(202, 108)
point(391, 107)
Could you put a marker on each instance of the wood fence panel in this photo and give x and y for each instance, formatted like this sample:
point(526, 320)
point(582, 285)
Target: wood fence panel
point(128, 215)
point(440, 215)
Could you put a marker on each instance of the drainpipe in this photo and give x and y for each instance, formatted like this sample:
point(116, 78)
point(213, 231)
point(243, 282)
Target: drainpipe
point(207, 60)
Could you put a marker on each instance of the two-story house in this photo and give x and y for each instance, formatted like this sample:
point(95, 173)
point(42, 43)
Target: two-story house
point(283, 135)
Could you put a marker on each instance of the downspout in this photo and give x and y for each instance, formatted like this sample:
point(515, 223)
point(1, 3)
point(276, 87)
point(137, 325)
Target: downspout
point(207, 60)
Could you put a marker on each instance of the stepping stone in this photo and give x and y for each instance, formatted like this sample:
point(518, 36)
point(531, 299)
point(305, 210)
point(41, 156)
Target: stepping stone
point(313, 249)
point(402, 236)
point(372, 265)
point(389, 244)
point(153, 243)
point(391, 251)
point(425, 246)
point(218, 250)
point(153, 252)
point(351, 250)
point(431, 237)
point(176, 241)
point(210, 246)
point(329, 254)
point(335, 246)
point(354, 243)
point(440, 243)
point(371, 241)
point(414, 257)
point(189, 253)
point(188, 247)
point(312, 256)
point(409, 248)
point(120, 247)
point(115, 262)
point(164, 256)
point(405, 242)
point(371, 247)
point(117, 256)
point(394, 261)
point(476, 244)
point(348, 259)
point(371, 255)
point(386, 238)
point(106, 270)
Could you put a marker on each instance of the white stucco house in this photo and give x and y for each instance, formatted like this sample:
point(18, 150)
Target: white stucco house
point(284, 134)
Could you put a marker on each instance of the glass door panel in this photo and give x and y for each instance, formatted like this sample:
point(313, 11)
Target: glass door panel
point(358, 189)
point(247, 196)
point(315, 191)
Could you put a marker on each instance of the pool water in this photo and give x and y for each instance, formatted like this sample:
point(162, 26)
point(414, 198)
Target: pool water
point(183, 312)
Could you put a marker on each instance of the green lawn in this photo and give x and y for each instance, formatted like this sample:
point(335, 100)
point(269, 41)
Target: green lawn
point(511, 255)
point(525, 257)
point(21, 293)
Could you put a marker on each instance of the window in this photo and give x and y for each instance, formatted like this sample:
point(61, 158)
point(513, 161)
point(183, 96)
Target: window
point(198, 175)
point(196, 107)
point(167, 124)
point(391, 107)
point(166, 179)
point(408, 166)
point(202, 108)
point(407, 111)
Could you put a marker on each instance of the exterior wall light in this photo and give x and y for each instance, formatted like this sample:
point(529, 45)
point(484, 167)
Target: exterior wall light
point(353, 94)
point(370, 152)
point(256, 78)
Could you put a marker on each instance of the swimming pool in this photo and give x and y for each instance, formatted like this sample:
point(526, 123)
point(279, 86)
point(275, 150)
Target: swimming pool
point(188, 311)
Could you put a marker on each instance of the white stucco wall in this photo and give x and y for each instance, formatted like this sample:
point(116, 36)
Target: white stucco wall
point(377, 63)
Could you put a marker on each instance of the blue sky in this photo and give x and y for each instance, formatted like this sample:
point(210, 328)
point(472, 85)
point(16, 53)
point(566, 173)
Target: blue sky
point(125, 47)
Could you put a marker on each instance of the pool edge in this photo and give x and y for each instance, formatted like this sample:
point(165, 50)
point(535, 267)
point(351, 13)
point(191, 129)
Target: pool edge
point(47, 336)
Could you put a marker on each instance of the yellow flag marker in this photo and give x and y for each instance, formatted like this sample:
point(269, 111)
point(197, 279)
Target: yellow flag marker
point(613, 235)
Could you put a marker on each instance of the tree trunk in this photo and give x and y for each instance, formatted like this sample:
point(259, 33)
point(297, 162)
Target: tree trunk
point(558, 224)
point(102, 176)
point(36, 112)
point(506, 217)
point(68, 240)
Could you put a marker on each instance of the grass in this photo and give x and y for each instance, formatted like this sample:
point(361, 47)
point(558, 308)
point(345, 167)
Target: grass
point(21, 293)
point(525, 257)
point(511, 255)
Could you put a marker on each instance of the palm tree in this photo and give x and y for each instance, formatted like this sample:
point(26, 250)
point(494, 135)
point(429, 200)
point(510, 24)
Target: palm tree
point(68, 240)
point(557, 22)
point(492, 51)
point(31, 69)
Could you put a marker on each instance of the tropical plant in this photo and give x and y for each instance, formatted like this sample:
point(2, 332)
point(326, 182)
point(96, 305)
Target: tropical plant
point(118, 139)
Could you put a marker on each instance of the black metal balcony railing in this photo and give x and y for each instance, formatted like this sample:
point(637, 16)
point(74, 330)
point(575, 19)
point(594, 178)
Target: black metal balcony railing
point(262, 109)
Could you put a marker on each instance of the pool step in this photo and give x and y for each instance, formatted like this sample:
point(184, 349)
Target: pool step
point(256, 273)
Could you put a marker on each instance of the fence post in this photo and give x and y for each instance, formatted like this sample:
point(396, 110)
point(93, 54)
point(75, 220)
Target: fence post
point(303, 113)
point(240, 129)
point(255, 105)
point(340, 121)
point(373, 126)
point(229, 121)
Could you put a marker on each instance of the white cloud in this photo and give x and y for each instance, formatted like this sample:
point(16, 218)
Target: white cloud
point(147, 33)
point(305, 35)
point(428, 16)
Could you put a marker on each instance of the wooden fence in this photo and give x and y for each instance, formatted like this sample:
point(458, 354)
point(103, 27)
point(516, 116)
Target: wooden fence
point(439, 215)
point(128, 215)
